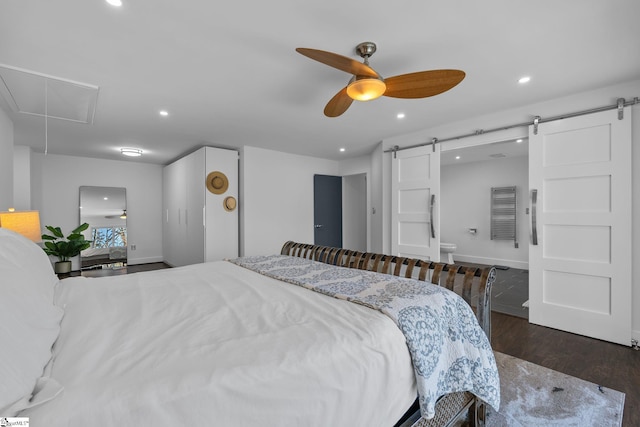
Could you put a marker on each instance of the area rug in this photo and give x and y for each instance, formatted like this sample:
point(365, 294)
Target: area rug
point(532, 395)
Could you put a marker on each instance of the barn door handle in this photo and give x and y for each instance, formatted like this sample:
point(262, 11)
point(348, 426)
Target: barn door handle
point(431, 204)
point(534, 218)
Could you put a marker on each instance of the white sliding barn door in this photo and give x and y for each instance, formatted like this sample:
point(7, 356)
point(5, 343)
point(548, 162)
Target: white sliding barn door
point(415, 190)
point(580, 266)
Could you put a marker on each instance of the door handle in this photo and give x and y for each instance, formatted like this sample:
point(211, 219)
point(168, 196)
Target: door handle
point(534, 219)
point(431, 204)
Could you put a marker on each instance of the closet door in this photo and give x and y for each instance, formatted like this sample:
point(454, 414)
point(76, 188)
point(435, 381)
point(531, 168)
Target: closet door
point(580, 253)
point(173, 243)
point(415, 191)
point(194, 206)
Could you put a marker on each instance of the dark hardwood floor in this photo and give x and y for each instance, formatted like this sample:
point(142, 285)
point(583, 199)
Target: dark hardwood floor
point(610, 365)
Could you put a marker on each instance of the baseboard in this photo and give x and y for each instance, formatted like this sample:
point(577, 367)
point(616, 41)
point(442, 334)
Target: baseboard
point(523, 265)
point(148, 260)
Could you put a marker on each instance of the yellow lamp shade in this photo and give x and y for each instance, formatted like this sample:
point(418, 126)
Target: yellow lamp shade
point(366, 89)
point(26, 223)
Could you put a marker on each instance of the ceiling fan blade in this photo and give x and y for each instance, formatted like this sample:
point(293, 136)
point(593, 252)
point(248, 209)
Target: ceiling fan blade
point(338, 104)
point(423, 83)
point(338, 61)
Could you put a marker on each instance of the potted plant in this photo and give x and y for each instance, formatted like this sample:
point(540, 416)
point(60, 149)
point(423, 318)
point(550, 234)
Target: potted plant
point(65, 248)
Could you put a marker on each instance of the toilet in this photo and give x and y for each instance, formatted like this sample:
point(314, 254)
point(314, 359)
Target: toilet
point(449, 249)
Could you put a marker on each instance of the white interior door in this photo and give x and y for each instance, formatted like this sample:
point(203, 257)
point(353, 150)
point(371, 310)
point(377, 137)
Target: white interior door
point(415, 189)
point(580, 266)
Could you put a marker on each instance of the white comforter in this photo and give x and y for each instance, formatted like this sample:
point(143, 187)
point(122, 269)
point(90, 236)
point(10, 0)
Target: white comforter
point(217, 345)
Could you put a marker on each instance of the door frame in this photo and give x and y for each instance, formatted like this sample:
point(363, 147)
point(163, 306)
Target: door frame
point(368, 207)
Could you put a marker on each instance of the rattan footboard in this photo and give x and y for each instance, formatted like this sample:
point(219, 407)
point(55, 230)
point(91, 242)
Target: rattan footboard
point(473, 284)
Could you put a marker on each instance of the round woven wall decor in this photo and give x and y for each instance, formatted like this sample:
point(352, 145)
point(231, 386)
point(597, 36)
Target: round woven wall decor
point(217, 182)
point(229, 204)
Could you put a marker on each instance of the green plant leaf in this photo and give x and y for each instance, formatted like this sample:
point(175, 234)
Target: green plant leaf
point(80, 228)
point(55, 230)
point(65, 248)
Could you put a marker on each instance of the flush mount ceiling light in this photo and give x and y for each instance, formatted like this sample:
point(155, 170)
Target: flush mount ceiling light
point(525, 79)
point(400, 115)
point(164, 113)
point(131, 152)
point(116, 3)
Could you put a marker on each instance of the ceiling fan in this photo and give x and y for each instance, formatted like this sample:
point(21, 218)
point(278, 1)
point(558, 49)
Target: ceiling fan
point(366, 84)
point(123, 215)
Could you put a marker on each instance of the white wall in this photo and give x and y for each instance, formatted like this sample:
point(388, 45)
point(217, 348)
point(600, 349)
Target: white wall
point(22, 178)
point(466, 203)
point(276, 200)
point(56, 181)
point(6, 161)
point(551, 108)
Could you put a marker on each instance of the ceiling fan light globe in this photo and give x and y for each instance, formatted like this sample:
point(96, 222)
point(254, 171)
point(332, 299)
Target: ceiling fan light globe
point(366, 89)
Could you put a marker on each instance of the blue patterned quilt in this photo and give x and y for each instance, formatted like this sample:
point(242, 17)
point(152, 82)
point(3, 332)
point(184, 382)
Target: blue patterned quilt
point(449, 350)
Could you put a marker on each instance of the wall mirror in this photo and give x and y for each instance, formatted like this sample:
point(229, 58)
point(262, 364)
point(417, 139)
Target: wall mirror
point(105, 210)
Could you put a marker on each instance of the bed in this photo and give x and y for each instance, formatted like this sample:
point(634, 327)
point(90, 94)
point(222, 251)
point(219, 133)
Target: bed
point(93, 257)
point(243, 342)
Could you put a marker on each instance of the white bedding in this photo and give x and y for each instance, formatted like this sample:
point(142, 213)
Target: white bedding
point(217, 345)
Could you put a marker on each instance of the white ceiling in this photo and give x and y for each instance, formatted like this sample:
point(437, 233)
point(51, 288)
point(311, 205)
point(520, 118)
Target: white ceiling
point(485, 152)
point(229, 75)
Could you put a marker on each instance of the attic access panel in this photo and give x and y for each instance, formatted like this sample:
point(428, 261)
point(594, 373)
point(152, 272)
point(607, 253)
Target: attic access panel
point(29, 92)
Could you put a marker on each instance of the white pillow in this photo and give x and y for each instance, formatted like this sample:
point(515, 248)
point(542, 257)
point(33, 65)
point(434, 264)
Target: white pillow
point(21, 252)
point(29, 321)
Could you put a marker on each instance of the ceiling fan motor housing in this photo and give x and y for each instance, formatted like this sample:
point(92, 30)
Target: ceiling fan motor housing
point(366, 49)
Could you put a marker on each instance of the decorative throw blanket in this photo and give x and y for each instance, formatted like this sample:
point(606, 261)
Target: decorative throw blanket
point(449, 350)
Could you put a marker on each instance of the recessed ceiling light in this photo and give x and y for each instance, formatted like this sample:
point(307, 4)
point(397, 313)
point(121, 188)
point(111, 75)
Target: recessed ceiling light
point(105, 198)
point(164, 113)
point(518, 141)
point(524, 79)
point(116, 3)
point(131, 152)
point(400, 115)
point(457, 157)
point(342, 150)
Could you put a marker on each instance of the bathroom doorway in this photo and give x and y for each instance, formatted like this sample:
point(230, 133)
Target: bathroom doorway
point(467, 176)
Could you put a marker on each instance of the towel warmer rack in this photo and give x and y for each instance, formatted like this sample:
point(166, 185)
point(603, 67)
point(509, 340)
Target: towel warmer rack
point(503, 214)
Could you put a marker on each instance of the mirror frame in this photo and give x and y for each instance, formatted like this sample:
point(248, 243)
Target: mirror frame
point(103, 208)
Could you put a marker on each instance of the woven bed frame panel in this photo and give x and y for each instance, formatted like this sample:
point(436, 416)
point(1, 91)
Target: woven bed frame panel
point(471, 283)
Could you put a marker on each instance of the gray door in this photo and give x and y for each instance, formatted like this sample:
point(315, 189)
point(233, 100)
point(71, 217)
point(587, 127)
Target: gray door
point(327, 210)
